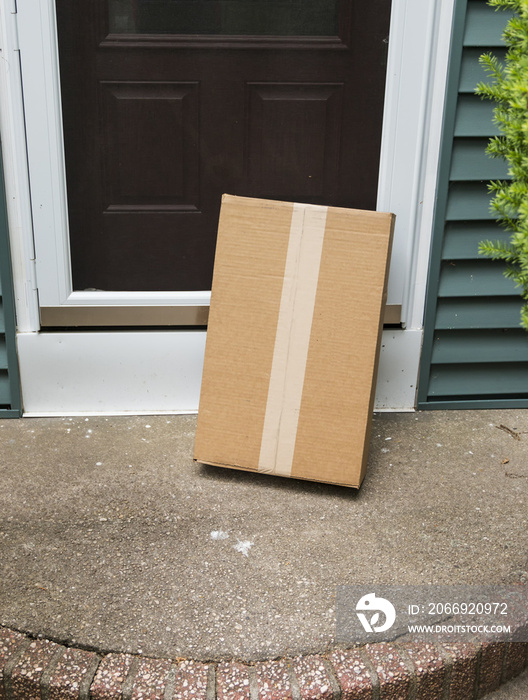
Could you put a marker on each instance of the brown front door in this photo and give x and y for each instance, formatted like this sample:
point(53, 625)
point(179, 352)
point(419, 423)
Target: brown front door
point(167, 104)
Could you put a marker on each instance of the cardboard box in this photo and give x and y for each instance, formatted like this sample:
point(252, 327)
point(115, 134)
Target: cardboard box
point(293, 339)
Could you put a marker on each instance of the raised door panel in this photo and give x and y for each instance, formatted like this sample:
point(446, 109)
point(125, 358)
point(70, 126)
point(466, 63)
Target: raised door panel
point(151, 158)
point(294, 133)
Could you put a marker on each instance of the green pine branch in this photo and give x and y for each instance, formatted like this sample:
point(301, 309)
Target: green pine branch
point(507, 87)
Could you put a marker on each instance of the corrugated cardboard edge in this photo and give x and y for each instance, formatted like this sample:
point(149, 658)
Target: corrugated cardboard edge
point(377, 355)
point(249, 470)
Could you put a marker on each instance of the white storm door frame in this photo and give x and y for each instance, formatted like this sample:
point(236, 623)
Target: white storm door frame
point(45, 144)
point(411, 52)
point(159, 371)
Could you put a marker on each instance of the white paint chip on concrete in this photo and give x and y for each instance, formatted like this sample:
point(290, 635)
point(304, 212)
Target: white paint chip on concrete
point(243, 547)
point(219, 535)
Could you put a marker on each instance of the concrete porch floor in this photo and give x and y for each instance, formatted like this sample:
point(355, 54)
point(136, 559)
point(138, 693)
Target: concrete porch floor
point(113, 540)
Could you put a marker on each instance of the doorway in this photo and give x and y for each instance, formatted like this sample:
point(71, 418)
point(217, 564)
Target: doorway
point(167, 104)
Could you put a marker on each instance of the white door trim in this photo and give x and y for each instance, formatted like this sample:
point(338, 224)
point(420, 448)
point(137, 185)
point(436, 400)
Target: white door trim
point(16, 171)
point(417, 70)
point(419, 52)
point(413, 29)
point(37, 29)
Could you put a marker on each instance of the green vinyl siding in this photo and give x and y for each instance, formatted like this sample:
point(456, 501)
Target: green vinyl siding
point(486, 380)
point(474, 117)
point(471, 72)
point(474, 278)
point(10, 404)
point(478, 312)
point(462, 238)
point(468, 201)
point(475, 353)
point(483, 26)
point(480, 346)
point(470, 162)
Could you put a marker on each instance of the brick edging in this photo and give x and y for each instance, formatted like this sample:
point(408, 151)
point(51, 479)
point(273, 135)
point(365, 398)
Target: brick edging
point(40, 669)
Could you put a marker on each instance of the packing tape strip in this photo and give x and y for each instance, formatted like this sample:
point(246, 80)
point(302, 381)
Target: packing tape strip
point(292, 339)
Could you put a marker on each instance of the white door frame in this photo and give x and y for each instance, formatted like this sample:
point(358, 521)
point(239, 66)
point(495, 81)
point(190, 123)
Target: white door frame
point(30, 94)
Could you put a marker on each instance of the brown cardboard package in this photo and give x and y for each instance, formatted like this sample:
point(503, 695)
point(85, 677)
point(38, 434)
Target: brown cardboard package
point(293, 339)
